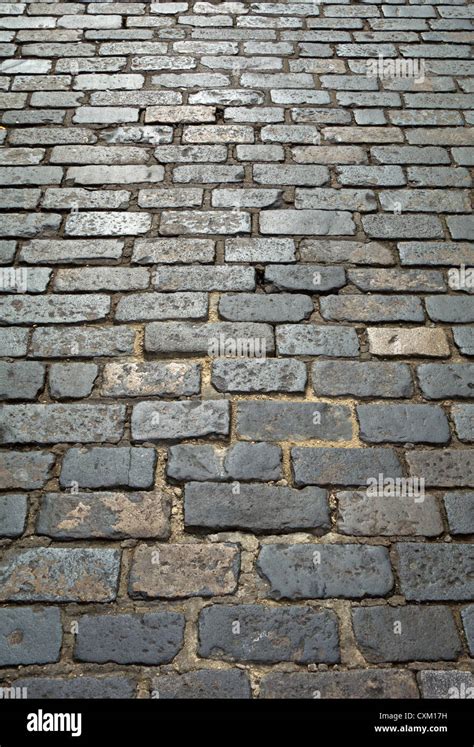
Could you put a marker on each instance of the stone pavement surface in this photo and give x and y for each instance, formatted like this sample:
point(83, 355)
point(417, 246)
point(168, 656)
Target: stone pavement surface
point(236, 338)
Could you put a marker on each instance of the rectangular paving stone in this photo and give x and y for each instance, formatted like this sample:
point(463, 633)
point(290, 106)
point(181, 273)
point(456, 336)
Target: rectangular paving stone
point(259, 250)
point(450, 308)
point(403, 226)
point(360, 379)
point(108, 687)
point(245, 198)
point(112, 224)
point(101, 279)
point(207, 174)
point(241, 461)
point(21, 380)
point(295, 421)
point(464, 339)
point(410, 633)
point(438, 683)
point(216, 339)
point(104, 515)
point(362, 515)
point(264, 375)
point(192, 154)
point(29, 635)
point(53, 309)
point(459, 507)
point(412, 423)
point(310, 571)
point(173, 571)
point(25, 470)
point(98, 154)
point(178, 197)
point(27, 225)
point(149, 306)
point(254, 632)
point(24, 175)
point(333, 199)
point(150, 378)
point(20, 198)
point(343, 466)
point(13, 511)
point(203, 683)
point(435, 571)
point(149, 638)
point(354, 252)
point(157, 421)
point(101, 467)
point(172, 251)
point(85, 342)
point(57, 574)
point(310, 339)
point(205, 221)
point(312, 278)
point(372, 308)
point(173, 114)
point(401, 154)
point(205, 278)
point(64, 198)
point(271, 307)
point(416, 341)
point(435, 253)
point(308, 222)
point(289, 175)
point(137, 174)
point(446, 381)
point(75, 251)
point(39, 423)
point(447, 468)
point(369, 683)
point(258, 508)
point(467, 616)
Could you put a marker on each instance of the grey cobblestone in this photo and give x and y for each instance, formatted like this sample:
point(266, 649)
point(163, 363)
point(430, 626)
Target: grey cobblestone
point(315, 571)
point(436, 572)
point(202, 684)
point(436, 683)
point(259, 508)
point(285, 628)
point(184, 570)
point(54, 575)
point(13, 510)
point(99, 467)
point(242, 461)
point(371, 683)
point(29, 635)
point(460, 511)
point(104, 515)
point(426, 634)
point(153, 638)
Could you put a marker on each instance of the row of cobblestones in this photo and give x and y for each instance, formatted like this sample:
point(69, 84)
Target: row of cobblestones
point(236, 341)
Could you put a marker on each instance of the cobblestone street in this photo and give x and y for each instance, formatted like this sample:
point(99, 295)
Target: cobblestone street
point(236, 340)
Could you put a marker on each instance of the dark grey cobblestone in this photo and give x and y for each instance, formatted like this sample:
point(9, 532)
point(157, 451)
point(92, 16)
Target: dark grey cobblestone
point(29, 635)
point(426, 633)
point(371, 683)
point(296, 633)
point(318, 571)
point(153, 638)
point(259, 508)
